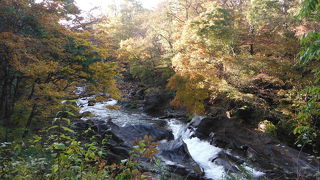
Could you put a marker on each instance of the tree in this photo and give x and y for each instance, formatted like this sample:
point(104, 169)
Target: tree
point(307, 126)
point(42, 61)
point(205, 43)
point(271, 25)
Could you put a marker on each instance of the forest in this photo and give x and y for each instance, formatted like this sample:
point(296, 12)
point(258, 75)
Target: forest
point(191, 89)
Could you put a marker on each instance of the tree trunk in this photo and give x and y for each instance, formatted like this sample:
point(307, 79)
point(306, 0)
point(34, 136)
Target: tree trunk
point(32, 113)
point(3, 95)
point(28, 125)
point(251, 50)
point(251, 47)
point(15, 92)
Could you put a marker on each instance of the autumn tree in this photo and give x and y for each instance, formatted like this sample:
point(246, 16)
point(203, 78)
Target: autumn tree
point(41, 62)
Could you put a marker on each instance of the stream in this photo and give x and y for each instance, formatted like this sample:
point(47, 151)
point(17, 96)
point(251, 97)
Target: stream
point(201, 151)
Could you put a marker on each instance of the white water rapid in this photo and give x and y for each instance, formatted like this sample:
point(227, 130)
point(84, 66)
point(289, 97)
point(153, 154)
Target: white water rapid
point(201, 151)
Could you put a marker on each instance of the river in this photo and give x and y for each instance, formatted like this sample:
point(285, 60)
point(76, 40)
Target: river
point(202, 152)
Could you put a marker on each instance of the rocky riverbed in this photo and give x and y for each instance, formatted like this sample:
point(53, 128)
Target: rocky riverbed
point(215, 147)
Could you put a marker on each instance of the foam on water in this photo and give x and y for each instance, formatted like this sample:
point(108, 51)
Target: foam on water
point(100, 111)
point(179, 130)
point(201, 151)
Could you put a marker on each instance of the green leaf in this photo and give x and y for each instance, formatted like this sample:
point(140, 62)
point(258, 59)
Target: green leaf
point(59, 146)
point(100, 153)
point(70, 113)
point(67, 120)
point(55, 168)
point(78, 168)
point(54, 155)
point(142, 144)
point(52, 127)
point(65, 137)
point(68, 129)
point(36, 139)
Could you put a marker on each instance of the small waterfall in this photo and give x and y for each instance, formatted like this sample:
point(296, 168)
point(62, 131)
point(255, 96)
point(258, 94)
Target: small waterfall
point(201, 151)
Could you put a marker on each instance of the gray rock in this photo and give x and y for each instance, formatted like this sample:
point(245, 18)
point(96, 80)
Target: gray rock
point(262, 151)
point(91, 102)
point(86, 114)
point(177, 151)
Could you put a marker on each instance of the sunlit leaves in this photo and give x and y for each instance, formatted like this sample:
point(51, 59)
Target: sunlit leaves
point(43, 61)
point(307, 122)
point(265, 13)
point(103, 75)
point(190, 92)
point(312, 51)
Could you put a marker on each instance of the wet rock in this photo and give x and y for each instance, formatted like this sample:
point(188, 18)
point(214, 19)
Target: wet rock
point(114, 158)
point(127, 133)
point(252, 154)
point(140, 94)
point(174, 115)
point(228, 167)
point(132, 132)
point(184, 173)
point(228, 161)
point(86, 114)
point(244, 112)
point(215, 111)
point(99, 126)
point(209, 125)
point(152, 100)
point(117, 153)
point(120, 150)
point(80, 126)
point(177, 151)
point(263, 151)
point(91, 102)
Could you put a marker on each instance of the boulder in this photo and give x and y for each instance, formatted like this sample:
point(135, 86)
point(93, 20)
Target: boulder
point(86, 114)
point(139, 95)
point(177, 151)
point(114, 158)
point(227, 161)
point(117, 153)
point(263, 151)
point(210, 124)
point(91, 102)
point(130, 133)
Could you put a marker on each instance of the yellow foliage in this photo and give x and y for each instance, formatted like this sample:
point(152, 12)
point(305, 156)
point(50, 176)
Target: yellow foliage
point(103, 75)
point(191, 92)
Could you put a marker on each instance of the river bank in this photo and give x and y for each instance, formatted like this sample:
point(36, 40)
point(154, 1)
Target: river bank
point(213, 147)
